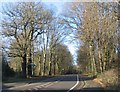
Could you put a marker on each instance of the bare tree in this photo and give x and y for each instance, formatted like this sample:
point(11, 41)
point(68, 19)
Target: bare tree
point(24, 22)
point(96, 26)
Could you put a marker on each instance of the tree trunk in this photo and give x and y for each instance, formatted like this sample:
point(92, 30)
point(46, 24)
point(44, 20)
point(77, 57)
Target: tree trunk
point(50, 64)
point(100, 61)
point(24, 75)
point(54, 68)
point(30, 60)
point(44, 63)
point(50, 71)
point(40, 66)
point(94, 63)
point(30, 66)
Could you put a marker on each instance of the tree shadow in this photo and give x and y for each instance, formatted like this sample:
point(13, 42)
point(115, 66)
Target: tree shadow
point(85, 78)
point(66, 78)
point(6, 86)
point(50, 79)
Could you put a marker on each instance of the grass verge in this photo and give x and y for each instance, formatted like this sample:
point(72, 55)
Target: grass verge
point(109, 79)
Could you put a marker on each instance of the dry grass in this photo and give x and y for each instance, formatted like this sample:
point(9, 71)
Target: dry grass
point(108, 79)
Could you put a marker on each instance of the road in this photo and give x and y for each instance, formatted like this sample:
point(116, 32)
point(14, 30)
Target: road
point(65, 83)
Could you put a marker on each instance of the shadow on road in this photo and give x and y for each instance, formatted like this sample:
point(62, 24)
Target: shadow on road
point(6, 86)
point(82, 90)
point(66, 78)
point(52, 79)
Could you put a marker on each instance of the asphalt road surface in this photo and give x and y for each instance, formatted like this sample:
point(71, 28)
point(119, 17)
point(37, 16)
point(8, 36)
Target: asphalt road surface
point(65, 83)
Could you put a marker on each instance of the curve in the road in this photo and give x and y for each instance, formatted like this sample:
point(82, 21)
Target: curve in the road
point(75, 84)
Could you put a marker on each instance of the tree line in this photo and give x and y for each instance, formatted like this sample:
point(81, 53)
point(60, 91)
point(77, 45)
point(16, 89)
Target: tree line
point(35, 36)
point(96, 26)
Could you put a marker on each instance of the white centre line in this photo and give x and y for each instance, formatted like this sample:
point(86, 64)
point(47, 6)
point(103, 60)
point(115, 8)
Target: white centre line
point(75, 84)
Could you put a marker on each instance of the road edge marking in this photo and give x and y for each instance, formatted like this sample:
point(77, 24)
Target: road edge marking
point(75, 84)
point(84, 84)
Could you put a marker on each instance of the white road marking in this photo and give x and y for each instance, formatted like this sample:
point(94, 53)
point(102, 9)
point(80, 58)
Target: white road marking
point(26, 85)
point(75, 84)
point(84, 84)
point(35, 89)
point(19, 86)
point(50, 84)
point(45, 84)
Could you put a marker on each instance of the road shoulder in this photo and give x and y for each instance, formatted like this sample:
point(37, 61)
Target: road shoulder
point(89, 84)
